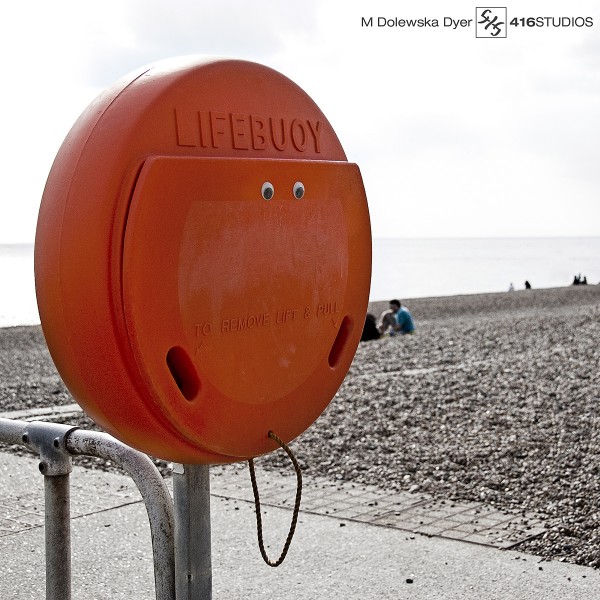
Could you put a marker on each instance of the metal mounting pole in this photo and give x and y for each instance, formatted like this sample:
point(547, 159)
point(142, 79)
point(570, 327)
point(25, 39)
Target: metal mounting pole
point(58, 537)
point(191, 498)
point(49, 440)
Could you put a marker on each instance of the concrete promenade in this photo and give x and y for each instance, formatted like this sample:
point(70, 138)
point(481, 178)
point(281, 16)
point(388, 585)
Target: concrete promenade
point(347, 543)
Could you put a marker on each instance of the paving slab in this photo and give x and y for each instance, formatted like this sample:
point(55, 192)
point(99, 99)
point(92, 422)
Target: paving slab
point(474, 522)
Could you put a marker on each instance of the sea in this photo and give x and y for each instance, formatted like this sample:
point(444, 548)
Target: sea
point(402, 268)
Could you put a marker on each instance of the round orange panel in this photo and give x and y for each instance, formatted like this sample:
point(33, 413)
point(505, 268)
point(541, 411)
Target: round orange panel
point(203, 260)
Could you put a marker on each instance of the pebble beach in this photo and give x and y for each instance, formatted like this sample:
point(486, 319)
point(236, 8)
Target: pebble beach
point(494, 399)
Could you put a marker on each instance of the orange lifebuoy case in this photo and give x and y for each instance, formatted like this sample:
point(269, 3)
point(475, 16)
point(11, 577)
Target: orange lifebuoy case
point(188, 311)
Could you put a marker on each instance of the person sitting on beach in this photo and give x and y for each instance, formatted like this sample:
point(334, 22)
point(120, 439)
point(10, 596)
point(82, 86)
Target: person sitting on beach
point(404, 321)
point(397, 319)
point(527, 285)
point(370, 329)
point(387, 319)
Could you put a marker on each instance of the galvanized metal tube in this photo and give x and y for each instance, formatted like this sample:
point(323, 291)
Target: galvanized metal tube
point(55, 466)
point(58, 537)
point(153, 489)
point(141, 469)
point(11, 432)
point(191, 498)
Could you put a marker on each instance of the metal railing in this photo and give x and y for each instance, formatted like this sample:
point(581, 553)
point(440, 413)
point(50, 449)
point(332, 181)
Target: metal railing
point(180, 537)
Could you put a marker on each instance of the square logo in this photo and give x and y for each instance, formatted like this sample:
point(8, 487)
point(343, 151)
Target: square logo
point(490, 22)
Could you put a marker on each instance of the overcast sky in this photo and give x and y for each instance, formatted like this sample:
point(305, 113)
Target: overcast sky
point(455, 136)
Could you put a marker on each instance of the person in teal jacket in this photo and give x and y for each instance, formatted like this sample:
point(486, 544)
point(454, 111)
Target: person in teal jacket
point(404, 321)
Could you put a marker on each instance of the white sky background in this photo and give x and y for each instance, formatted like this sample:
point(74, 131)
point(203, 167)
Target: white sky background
point(455, 136)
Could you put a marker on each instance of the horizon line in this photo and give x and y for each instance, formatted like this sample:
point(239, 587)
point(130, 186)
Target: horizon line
point(428, 238)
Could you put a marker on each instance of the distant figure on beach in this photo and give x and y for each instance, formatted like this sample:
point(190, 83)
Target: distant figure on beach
point(370, 330)
point(397, 319)
point(511, 287)
point(527, 285)
point(579, 280)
